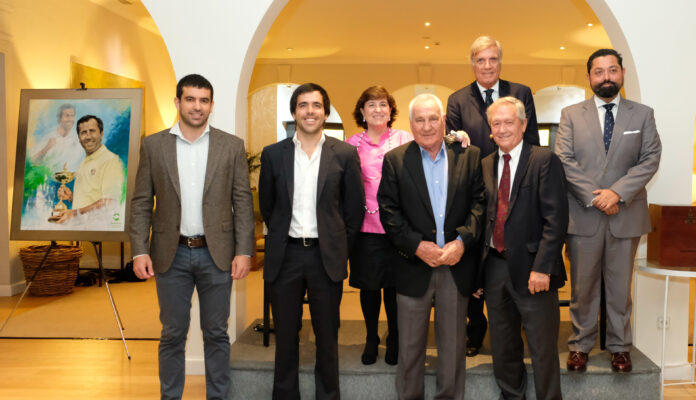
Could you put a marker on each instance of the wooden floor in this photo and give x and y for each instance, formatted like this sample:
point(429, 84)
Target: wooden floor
point(98, 369)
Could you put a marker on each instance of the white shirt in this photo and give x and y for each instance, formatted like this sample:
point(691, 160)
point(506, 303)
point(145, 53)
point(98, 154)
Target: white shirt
point(304, 197)
point(514, 161)
point(494, 95)
point(601, 111)
point(191, 161)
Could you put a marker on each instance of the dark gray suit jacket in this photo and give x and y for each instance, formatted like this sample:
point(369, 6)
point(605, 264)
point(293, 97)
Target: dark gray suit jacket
point(537, 220)
point(466, 111)
point(340, 203)
point(407, 215)
point(228, 215)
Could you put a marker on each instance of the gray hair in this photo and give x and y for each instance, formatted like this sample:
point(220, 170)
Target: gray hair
point(484, 42)
point(508, 100)
point(423, 97)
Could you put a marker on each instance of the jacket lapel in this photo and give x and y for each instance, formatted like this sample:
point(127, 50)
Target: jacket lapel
point(215, 152)
point(414, 165)
point(454, 173)
point(595, 133)
point(168, 149)
point(503, 88)
point(519, 174)
point(327, 154)
point(623, 117)
point(289, 167)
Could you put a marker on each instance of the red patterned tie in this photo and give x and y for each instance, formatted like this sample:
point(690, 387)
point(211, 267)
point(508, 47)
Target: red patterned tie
point(503, 203)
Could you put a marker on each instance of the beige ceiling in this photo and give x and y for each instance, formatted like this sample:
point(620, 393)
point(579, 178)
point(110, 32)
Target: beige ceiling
point(394, 31)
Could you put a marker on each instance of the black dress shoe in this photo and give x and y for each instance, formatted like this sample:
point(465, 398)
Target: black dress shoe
point(472, 351)
point(369, 355)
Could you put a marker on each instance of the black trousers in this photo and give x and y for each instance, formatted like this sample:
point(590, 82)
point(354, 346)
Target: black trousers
point(508, 312)
point(303, 271)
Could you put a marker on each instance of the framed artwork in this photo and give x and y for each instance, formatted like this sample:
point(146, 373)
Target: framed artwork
point(77, 155)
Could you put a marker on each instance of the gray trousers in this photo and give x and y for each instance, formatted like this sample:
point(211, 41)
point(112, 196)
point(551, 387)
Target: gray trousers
point(450, 334)
point(508, 312)
point(194, 267)
point(592, 257)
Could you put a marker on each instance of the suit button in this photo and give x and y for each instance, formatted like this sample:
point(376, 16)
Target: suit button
point(434, 231)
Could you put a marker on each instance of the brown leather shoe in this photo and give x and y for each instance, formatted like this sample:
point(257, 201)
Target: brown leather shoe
point(621, 362)
point(577, 361)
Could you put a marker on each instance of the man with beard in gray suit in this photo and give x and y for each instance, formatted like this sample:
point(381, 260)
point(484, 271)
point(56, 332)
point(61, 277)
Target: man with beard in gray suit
point(610, 150)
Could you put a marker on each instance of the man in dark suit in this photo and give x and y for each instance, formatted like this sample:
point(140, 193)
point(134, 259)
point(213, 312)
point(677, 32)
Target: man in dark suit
point(466, 111)
point(610, 150)
point(198, 176)
point(312, 200)
point(522, 266)
point(431, 204)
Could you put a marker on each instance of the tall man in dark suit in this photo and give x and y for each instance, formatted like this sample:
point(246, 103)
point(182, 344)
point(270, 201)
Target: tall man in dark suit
point(202, 232)
point(522, 264)
point(312, 200)
point(466, 111)
point(431, 204)
point(610, 150)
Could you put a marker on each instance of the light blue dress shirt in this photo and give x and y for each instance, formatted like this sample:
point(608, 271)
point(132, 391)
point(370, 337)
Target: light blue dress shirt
point(436, 179)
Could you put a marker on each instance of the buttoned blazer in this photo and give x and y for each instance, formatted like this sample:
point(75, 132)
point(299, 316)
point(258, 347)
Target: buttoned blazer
point(632, 160)
point(340, 203)
point(537, 219)
point(228, 215)
point(466, 111)
point(407, 215)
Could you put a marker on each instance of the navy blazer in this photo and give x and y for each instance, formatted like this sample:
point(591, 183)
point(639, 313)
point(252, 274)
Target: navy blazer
point(466, 111)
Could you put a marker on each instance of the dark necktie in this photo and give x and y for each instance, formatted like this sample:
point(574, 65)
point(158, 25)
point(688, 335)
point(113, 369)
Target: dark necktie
point(503, 203)
point(489, 97)
point(608, 125)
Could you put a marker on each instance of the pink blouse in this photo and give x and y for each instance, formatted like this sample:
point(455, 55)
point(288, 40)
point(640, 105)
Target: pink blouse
point(371, 157)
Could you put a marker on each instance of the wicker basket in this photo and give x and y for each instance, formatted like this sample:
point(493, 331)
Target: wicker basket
point(58, 273)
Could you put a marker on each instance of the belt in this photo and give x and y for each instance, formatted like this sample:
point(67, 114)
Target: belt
point(497, 253)
point(305, 242)
point(193, 241)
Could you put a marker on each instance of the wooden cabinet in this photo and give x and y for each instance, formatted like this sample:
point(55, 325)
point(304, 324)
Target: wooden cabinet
point(672, 241)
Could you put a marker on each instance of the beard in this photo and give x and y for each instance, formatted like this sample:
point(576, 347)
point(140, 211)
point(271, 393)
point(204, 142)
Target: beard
point(606, 92)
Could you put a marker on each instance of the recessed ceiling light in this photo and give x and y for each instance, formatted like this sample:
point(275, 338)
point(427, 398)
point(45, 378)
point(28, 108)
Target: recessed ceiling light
point(427, 47)
point(562, 47)
point(427, 23)
point(590, 24)
point(289, 48)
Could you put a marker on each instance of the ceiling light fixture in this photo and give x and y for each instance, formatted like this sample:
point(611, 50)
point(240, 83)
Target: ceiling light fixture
point(289, 48)
point(590, 24)
point(427, 47)
point(427, 23)
point(562, 47)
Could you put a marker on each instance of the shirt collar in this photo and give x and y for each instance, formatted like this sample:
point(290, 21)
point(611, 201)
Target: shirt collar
point(600, 103)
point(297, 142)
point(425, 154)
point(483, 89)
point(514, 153)
point(176, 130)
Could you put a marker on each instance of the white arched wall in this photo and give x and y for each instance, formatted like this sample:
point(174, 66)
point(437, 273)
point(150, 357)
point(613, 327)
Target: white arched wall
point(221, 38)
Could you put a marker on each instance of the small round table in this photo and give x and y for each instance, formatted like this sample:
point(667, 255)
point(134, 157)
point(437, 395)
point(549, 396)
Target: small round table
point(668, 272)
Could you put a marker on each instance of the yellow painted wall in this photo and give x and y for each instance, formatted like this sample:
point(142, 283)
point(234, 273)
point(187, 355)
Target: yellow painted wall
point(40, 38)
point(345, 82)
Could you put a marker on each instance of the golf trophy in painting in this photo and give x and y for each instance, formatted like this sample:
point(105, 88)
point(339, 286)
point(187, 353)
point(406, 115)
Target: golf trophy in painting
point(63, 177)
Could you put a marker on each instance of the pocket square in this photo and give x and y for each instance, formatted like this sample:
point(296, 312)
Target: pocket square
point(631, 132)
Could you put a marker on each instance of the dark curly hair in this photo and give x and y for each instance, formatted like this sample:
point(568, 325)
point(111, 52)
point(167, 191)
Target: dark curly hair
point(374, 93)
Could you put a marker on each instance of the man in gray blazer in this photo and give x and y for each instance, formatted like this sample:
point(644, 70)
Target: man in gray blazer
point(202, 232)
point(610, 150)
